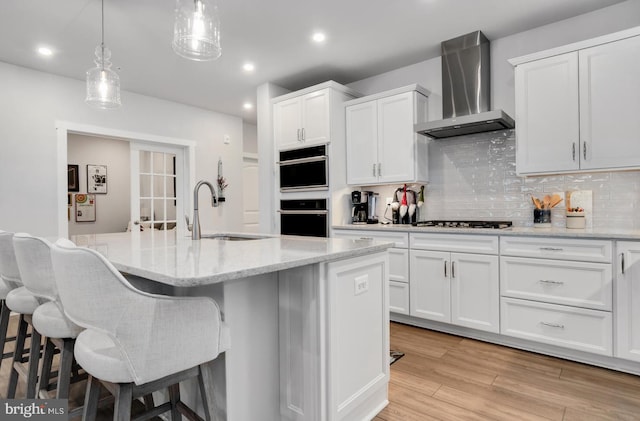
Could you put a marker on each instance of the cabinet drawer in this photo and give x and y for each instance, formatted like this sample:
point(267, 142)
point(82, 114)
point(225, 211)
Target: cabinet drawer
point(569, 327)
point(399, 297)
point(401, 239)
point(482, 244)
point(398, 265)
point(557, 248)
point(579, 284)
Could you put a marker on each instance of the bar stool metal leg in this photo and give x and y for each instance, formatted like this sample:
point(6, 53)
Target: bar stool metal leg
point(17, 357)
point(5, 312)
point(34, 359)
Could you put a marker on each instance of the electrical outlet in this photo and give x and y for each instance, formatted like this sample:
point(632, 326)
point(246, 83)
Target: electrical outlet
point(361, 284)
point(227, 139)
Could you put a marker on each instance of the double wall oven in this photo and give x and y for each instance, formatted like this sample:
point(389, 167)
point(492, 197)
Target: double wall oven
point(304, 191)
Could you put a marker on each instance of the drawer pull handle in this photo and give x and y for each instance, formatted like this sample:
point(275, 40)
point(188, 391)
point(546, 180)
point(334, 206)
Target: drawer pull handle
point(445, 268)
point(556, 325)
point(366, 238)
point(547, 281)
point(551, 249)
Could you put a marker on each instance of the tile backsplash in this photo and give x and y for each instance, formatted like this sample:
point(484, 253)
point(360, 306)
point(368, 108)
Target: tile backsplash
point(474, 177)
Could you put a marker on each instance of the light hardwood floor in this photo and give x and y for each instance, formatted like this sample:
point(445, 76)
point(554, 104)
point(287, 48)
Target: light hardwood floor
point(445, 377)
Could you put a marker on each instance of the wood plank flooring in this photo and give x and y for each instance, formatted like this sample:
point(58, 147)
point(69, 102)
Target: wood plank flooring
point(445, 377)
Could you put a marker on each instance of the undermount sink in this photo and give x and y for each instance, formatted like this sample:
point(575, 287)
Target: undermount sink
point(233, 237)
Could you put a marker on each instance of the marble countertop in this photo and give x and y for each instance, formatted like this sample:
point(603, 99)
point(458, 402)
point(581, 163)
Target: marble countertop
point(599, 233)
point(166, 257)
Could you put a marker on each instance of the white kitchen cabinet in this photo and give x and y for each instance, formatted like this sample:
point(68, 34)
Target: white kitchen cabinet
point(547, 116)
point(310, 116)
point(627, 303)
point(398, 264)
point(302, 121)
point(558, 291)
point(610, 105)
point(577, 110)
point(453, 287)
point(382, 146)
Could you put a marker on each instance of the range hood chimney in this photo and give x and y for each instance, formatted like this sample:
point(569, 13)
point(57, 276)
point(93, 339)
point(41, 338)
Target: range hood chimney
point(466, 83)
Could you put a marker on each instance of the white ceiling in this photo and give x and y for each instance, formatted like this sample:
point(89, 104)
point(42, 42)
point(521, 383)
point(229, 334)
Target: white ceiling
point(365, 38)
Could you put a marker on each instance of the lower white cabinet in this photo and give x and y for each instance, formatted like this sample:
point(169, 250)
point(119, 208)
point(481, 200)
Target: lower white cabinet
point(457, 288)
point(558, 291)
point(566, 326)
point(398, 264)
point(627, 301)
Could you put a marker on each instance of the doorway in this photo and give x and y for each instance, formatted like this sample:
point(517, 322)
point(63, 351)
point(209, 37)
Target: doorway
point(168, 202)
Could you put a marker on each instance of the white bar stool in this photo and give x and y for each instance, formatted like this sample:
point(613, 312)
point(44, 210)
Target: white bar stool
point(24, 302)
point(134, 342)
point(6, 285)
point(33, 256)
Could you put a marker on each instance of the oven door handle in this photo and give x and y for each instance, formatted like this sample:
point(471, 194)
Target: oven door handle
point(303, 160)
point(303, 212)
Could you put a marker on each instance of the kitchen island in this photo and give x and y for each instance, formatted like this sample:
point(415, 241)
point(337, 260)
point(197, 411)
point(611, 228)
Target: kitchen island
point(308, 317)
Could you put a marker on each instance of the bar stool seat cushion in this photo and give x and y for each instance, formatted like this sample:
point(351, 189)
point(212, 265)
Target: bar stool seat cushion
point(50, 321)
point(98, 354)
point(22, 301)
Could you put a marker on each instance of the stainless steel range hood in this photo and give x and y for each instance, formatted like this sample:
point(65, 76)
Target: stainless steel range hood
point(466, 83)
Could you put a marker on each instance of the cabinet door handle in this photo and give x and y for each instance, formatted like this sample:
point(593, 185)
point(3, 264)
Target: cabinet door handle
point(445, 268)
point(573, 151)
point(551, 249)
point(379, 169)
point(556, 325)
point(622, 262)
point(374, 169)
point(453, 269)
point(303, 135)
point(584, 150)
point(549, 282)
point(299, 139)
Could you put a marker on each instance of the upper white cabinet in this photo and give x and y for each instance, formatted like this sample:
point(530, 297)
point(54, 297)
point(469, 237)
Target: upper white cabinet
point(577, 106)
point(382, 146)
point(303, 118)
point(547, 116)
point(627, 302)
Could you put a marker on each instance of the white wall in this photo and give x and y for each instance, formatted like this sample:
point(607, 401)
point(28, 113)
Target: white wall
point(32, 102)
point(113, 208)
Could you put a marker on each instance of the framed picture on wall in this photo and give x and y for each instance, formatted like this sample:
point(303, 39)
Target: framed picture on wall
point(97, 179)
point(85, 207)
point(73, 178)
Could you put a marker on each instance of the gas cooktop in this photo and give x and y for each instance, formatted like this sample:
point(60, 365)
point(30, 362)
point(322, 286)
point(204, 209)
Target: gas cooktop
point(463, 224)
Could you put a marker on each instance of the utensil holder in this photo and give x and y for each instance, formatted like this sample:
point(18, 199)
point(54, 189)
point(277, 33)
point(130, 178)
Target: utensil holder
point(576, 220)
point(542, 218)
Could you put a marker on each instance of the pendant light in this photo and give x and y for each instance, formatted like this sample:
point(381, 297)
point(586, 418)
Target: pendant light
point(196, 31)
point(103, 84)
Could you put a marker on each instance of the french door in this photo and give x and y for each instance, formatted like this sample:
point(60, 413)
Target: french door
point(157, 180)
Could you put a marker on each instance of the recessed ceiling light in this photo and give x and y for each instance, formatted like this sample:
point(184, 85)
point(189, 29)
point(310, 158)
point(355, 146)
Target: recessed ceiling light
point(319, 37)
point(248, 67)
point(45, 51)
point(247, 105)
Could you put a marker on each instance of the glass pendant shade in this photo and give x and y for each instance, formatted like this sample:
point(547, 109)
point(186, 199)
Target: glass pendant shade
point(103, 84)
point(196, 32)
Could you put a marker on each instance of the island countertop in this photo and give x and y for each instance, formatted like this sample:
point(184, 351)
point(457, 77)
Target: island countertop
point(174, 259)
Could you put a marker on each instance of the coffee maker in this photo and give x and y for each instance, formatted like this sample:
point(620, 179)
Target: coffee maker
point(359, 207)
point(363, 207)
